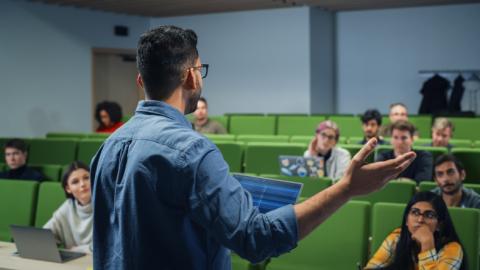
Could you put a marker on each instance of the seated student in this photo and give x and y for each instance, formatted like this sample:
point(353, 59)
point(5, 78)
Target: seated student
point(108, 115)
point(449, 174)
point(371, 123)
point(442, 131)
point(72, 221)
point(324, 145)
point(202, 123)
point(402, 141)
point(426, 239)
point(16, 157)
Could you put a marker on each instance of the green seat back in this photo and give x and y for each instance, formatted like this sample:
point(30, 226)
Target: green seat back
point(355, 140)
point(250, 124)
point(385, 218)
point(125, 118)
point(354, 148)
point(466, 128)
point(17, 205)
point(311, 185)
point(263, 138)
point(426, 185)
point(422, 142)
point(52, 151)
point(50, 197)
point(462, 143)
point(467, 226)
point(435, 151)
point(394, 192)
point(298, 125)
point(350, 126)
point(50, 172)
point(220, 137)
point(232, 153)
point(101, 136)
point(87, 149)
point(339, 243)
point(471, 160)
point(262, 158)
point(380, 149)
point(305, 139)
point(66, 135)
point(423, 124)
point(3, 167)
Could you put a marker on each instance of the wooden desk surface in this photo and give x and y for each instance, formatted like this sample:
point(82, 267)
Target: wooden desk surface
point(9, 261)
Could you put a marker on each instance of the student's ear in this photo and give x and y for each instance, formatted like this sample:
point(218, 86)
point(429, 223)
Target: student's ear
point(68, 190)
point(463, 175)
point(191, 81)
point(140, 81)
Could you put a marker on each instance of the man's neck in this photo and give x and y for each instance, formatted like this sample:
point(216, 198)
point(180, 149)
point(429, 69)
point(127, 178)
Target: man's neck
point(454, 199)
point(175, 100)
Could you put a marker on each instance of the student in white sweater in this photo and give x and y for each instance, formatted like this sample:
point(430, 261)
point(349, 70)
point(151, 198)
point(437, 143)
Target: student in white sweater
point(324, 144)
point(72, 222)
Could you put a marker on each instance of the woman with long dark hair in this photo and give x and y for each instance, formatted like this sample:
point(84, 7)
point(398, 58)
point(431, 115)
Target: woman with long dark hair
point(427, 239)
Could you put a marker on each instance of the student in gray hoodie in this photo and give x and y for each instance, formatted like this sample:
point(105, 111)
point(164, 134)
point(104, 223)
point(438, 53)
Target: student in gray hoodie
point(72, 222)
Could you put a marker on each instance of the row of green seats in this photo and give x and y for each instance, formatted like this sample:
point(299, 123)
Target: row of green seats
point(262, 157)
point(350, 125)
point(348, 231)
point(27, 203)
point(61, 152)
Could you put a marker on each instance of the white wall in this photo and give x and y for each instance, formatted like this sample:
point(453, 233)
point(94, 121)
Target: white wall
point(259, 60)
point(45, 64)
point(381, 51)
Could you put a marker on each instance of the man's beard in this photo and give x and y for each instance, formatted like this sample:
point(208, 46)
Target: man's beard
point(453, 191)
point(192, 102)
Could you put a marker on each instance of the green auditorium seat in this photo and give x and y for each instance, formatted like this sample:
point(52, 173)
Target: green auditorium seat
point(305, 139)
point(471, 160)
point(221, 137)
point(355, 140)
point(466, 128)
point(298, 125)
point(51, 172)
point(251, 124)
point(87, 148)
point(462, 143)
point(388, 216)
point(101, 136)
point(380, 149)
point(422, 142)
point(50, 197)
point(423, 124)
point(3, 167)
point(262, 158)
point(350, 126)
point(354, 148)
point(66, 135)
point(311, 185)
point(17, 205)
point(52, 151)
point(262, 138)
point(323, 249)
point(435, 151)
point(125, 118)
point(395, 192)
point(232, 153)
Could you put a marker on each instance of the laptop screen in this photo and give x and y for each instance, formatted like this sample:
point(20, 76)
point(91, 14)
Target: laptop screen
point(269, 194)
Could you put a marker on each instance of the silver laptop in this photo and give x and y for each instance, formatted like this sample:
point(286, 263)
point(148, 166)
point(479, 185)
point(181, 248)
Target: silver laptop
point(302, 166)
point(40, 244)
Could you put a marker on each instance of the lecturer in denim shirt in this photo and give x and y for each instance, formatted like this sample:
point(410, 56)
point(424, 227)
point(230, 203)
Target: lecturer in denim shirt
point(163, 197)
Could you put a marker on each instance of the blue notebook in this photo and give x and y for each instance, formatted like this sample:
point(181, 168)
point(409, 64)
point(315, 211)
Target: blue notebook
point(269, 194)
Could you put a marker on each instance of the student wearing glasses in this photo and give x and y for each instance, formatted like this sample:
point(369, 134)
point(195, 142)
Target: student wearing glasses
point(324, 144)
point(426, 240)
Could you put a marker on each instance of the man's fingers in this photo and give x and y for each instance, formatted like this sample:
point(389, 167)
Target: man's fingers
point(365, 151)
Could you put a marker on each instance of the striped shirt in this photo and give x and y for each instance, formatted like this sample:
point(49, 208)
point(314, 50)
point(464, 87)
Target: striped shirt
point(448, 258)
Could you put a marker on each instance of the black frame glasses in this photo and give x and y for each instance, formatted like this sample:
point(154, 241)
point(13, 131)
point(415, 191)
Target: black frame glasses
point(427, 215)
point(203, 70)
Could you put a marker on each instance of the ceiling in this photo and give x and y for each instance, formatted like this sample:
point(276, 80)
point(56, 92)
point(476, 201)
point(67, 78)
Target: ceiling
point(168, 8)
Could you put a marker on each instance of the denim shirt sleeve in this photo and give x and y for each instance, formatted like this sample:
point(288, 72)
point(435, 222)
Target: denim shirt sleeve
point(218, 203)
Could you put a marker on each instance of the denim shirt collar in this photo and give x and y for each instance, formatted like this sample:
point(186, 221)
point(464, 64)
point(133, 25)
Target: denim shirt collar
point(157, 107)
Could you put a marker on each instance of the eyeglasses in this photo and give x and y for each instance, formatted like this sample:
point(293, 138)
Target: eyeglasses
point(203, 70)
point(428, 215)
point(326, 136)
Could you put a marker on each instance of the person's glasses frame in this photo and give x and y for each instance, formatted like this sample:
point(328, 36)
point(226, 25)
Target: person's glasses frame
point(427, 215)
point(203, 70)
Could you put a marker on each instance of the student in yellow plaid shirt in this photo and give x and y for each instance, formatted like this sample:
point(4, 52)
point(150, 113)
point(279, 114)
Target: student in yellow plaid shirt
point(426, 241)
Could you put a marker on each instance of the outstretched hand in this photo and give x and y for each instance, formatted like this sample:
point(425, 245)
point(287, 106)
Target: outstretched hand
point(361, 178)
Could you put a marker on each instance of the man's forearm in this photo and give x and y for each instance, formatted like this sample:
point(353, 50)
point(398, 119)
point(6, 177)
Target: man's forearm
point(318, 208)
